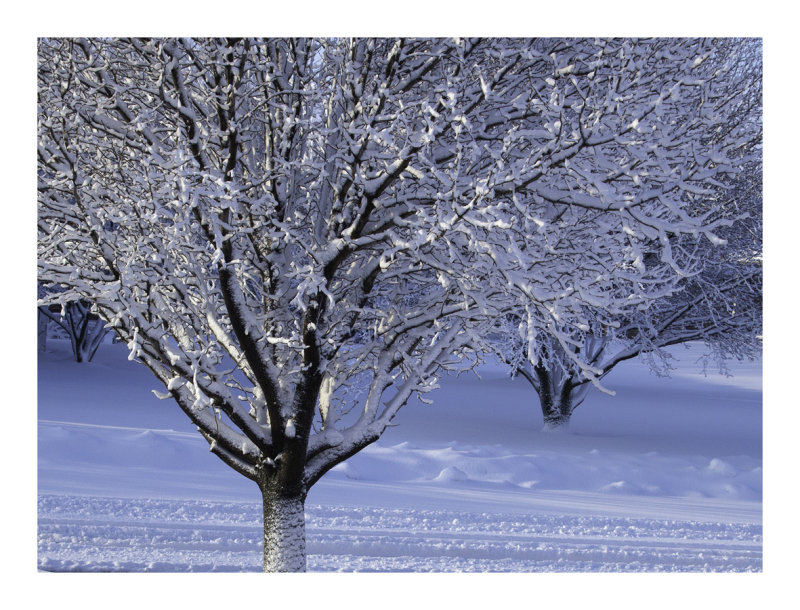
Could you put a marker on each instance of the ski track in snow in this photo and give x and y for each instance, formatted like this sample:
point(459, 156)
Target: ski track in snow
point(201, 536)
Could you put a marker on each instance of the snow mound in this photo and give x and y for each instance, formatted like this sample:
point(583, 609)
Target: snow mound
point(451, 474)
point(722, 467)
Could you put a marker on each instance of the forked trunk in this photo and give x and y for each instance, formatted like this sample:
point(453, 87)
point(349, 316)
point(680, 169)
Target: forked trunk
point(284, 532)
point(557, 410)
point(284, 490)
point(556, 419)
point(555, 399)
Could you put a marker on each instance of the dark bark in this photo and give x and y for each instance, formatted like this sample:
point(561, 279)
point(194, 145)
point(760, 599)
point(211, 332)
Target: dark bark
point(556, 400)
point(283, 487)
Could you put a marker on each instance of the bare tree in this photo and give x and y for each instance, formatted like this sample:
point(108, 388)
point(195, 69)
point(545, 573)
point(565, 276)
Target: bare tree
point(295, 236)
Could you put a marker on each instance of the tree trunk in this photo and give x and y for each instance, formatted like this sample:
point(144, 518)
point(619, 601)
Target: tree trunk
point(284, 531)
point(557, 412)
point(557, 419)
point(42, 331)
point(555, 399)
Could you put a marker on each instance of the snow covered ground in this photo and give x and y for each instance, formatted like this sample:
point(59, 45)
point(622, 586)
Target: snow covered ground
point(664, 477)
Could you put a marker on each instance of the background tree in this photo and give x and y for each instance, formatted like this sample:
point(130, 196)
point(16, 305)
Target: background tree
point(295, 236)
point(75, 318)
point(722, 310)
point(718, 299)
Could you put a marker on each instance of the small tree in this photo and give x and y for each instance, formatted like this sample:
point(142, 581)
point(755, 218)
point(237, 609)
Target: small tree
point(295, 236)
point(85, 330)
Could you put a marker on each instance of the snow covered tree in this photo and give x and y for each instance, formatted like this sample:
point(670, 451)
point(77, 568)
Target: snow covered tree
point(296, 236)
point(717, 300)
point(721, 309)
point(83, 328)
